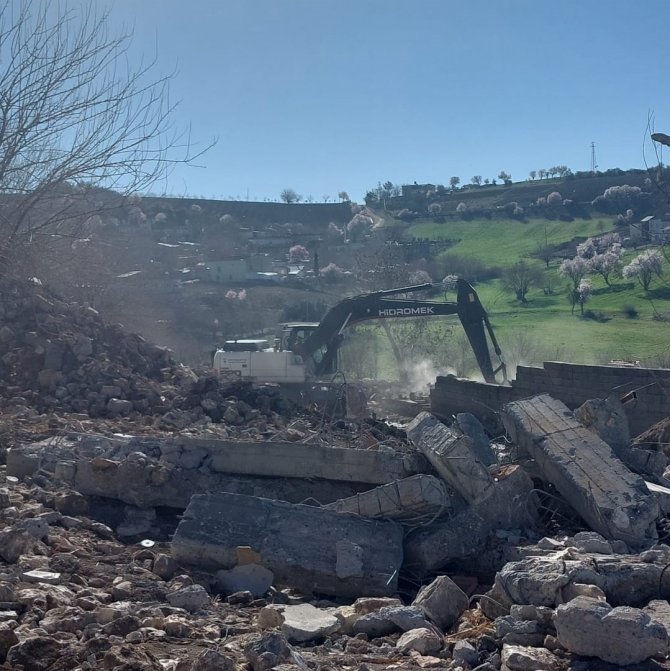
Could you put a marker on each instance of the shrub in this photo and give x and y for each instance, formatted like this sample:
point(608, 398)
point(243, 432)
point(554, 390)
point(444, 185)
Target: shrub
point(630, 311)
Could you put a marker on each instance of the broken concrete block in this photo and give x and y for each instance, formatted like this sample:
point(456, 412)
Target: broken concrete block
point(659, 611)
point(582, 467)
point(424, 641)
point(592, 543)
point(515, 631)
point(191, 597)
point(481, 445)
point(465, 654)
point(246, 578)
point(429, 549)
point(390, 619)
point(555, 579)
point(304, 623)
point(270, 650)
point(443, 601)
point(620, 636)
point(406, 499)
point(607, 418)
point(452, 456)
point(302, 545)
point(511, 504)
point(525, 658)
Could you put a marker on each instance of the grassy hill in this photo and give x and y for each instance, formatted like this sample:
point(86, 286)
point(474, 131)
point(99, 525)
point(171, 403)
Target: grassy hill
point(622, 321)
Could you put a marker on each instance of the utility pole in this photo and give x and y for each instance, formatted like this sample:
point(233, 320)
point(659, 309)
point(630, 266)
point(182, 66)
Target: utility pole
point(594, 165)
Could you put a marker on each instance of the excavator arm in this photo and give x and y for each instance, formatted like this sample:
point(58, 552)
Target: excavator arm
point(327, 337)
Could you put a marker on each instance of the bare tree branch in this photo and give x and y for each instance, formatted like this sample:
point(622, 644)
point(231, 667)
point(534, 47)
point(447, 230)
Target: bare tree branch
point(75, 115)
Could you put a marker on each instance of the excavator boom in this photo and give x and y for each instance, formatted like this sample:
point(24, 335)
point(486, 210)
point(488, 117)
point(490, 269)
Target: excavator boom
point(327, 337)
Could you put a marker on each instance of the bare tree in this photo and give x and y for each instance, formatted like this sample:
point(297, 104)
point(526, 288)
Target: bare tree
point(520, 277)
point(76, 121)
point(477, 180)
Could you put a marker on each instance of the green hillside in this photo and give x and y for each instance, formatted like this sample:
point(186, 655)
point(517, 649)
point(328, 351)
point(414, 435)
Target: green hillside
point(621, 322)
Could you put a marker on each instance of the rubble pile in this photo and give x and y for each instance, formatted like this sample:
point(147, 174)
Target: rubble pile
point(152, 518)
point(60, 357)
point(301, 555)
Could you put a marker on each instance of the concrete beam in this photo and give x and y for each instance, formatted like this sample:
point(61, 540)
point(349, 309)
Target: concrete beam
point(612, 500)
point(306, 547)
point(409, 499)
point(300, 460)
point(452, 456)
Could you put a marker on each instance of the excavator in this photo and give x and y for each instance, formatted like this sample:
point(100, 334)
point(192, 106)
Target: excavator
point(308, 351)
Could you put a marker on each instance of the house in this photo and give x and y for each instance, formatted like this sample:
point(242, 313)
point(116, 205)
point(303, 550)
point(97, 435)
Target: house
point(651, 229)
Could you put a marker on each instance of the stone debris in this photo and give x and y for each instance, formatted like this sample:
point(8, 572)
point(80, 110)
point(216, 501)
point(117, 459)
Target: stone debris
point(622, 636)
point(154, 517)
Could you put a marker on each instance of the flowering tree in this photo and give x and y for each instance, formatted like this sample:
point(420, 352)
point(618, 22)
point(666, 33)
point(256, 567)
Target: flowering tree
point(574, 269)
point(420, 277)
point(359, 225)
point(607, 263)
point(332, 273)
point(554, 198)
point(582, 294)
point(603, 255)
point(644, 267)
point(298, 253)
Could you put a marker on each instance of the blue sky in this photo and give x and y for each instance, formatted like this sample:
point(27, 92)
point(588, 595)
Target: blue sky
point(329, 95)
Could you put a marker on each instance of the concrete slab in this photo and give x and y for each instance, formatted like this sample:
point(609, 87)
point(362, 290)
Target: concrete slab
point(419, 496)
point(452, 456)
point(306, 547)
point(300, 460)
point(612, 500)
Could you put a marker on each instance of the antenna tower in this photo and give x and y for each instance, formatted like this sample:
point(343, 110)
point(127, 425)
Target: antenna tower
point(594, 165)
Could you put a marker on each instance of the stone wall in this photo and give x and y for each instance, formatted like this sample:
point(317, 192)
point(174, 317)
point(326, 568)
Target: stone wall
point(644, 391)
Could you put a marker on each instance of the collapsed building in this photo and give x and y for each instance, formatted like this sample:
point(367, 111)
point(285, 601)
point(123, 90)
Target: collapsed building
point(156, 518)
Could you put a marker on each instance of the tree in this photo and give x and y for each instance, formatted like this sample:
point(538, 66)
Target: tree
point(533, 175)
point(541, 173)
point(76, 121)
point(520, 277)
point(554, 198)
point(454, 182)
point(332, 273)
point(298, 253)
point(544, 250)
point(582, 294)
point(476, 180)
point(505, 177)
point(435, 209)
point(574, 269)
point(607, 263)
point(290, 196)
point(343, 196)
point(359, 226)
point(644, 267)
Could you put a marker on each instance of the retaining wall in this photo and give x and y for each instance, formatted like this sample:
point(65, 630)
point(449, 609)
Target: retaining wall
point(648, 389)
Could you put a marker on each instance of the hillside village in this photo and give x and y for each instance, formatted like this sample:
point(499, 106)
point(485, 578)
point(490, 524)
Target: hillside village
point(194, 272)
